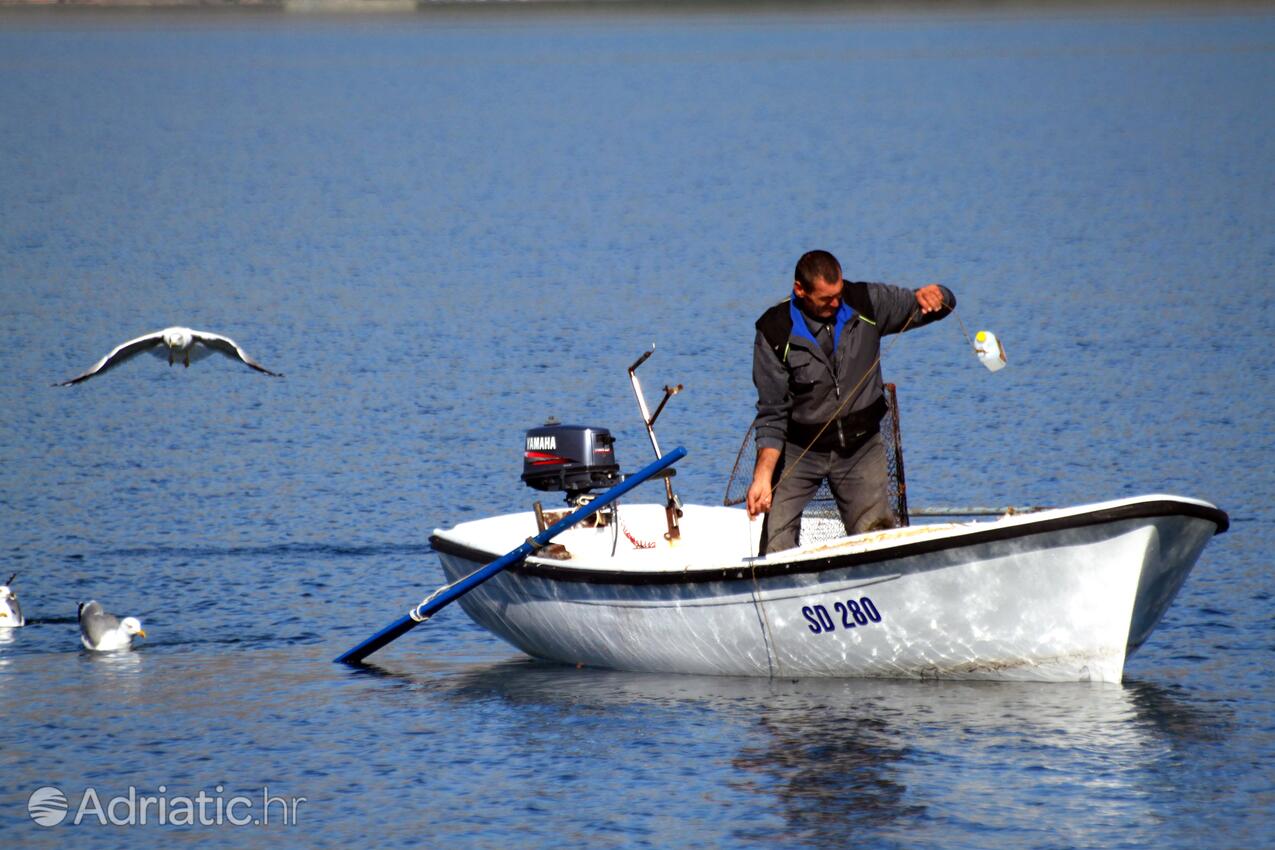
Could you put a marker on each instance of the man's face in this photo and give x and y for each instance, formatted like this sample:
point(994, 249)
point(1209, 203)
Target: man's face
point(822, 300)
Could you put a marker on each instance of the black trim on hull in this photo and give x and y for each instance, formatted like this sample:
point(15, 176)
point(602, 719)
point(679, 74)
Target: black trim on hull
point(1140, 510)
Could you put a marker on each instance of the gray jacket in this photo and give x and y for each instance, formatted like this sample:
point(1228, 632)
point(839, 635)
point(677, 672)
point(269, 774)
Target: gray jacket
point(796, 381)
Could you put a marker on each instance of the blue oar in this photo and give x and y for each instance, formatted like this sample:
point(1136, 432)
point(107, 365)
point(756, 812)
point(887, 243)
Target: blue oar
point(448, 593)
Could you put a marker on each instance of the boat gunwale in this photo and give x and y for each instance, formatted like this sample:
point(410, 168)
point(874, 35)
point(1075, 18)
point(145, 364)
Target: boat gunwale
point(877, 555)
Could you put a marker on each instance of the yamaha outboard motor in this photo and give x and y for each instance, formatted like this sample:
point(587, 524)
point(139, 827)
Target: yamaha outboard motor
point(570, 458)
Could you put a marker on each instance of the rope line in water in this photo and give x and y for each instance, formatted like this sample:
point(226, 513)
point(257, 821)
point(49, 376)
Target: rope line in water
point(761, 608)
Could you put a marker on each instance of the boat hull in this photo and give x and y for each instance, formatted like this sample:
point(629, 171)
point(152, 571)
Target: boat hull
point(1055, 598)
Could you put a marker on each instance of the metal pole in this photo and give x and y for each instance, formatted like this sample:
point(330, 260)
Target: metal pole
point(672, 511)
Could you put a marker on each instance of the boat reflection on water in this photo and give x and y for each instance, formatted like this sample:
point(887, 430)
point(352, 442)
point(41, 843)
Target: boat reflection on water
point(828, 769)
point(844, 707)
point(872, 752)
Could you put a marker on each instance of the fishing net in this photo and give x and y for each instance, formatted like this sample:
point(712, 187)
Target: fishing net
point(821, 520)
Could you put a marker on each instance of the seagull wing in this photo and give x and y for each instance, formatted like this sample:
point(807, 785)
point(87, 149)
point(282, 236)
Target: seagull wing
point(95, 622)
point(230, 348)
point(118, 355)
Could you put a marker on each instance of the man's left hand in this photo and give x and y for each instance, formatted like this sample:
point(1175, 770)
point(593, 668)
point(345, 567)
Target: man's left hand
point(930, 298)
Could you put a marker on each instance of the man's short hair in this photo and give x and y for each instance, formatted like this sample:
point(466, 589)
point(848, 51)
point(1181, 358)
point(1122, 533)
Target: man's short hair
point(817, 264)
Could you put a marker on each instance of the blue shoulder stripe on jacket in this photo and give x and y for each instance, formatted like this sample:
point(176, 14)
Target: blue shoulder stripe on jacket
point(844, 314)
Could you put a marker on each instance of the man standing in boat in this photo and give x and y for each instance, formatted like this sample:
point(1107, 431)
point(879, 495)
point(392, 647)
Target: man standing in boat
point(820, 396)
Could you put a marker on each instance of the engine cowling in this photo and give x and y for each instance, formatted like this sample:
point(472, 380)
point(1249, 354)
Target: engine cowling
point(573, 459)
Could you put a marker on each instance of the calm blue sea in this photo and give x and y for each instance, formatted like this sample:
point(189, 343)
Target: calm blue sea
point(445, 228)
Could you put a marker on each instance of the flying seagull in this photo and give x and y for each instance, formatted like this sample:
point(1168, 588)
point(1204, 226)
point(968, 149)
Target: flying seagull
point(103, 632)
point(10, 610)
point(177, 344)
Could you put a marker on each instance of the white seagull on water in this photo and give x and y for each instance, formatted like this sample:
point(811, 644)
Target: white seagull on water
point(103, 632)
point(176, 344)
point(10, 610)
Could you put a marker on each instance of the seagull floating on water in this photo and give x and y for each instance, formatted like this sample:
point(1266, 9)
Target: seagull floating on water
point(103, 632)
point(177, 344)
point(10, 610)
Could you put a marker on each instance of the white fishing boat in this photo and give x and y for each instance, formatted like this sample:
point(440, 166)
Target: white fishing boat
point(1064, 594)
point(1055, 595)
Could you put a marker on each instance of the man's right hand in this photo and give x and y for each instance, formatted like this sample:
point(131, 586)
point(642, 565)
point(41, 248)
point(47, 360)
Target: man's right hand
point(761, 490)
point(759, 496)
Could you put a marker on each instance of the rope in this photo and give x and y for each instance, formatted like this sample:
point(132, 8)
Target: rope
point(416, 614)
point(761, 608)
point(615, 526)
point(637, 544)
point(851, 394)
point(765, 621)
point(836, 414)
point(757, 600)
point(968, 338)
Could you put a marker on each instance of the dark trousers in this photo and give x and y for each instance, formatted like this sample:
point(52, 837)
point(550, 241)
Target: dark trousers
point(858, 478)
